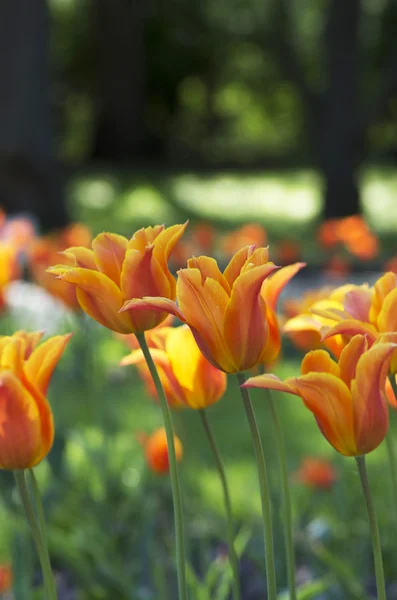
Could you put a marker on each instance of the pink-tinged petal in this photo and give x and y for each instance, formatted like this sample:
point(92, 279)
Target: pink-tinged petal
point(319, 361)
point(236, 263)
point(274, 285)
point(350, 356)
point(20, 428)
point(329, 399)
point(387, 318)
point(81, 257)
point(371, 416)
point(109, 250)
point(269, 382)
point(156, 304)
point(352, 327)
point(331, 314)
point(208, 267)
point(41, 364)
point(204, 306)
point(245, 326)
point(382, 288)
point(98, 296)
point(358, 303)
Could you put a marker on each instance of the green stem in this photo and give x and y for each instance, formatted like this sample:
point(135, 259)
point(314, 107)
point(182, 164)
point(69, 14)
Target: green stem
point(228, 505)
point(373, 523)
point(391, 454)
point(264, 491)
point(38, 535)
point(176, 490)
point(287, 507)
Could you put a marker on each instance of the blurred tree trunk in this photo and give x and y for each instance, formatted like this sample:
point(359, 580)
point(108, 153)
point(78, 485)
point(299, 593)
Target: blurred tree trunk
point(337, 140)
point(121, 130)
point(29, 176)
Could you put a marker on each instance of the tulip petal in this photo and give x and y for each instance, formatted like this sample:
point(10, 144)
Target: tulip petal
point(98, 296)
point(109, 250)
point(269, 382)
point(165, 243)
point(20, 429)
point(329, 399)
point(349, 357)
point(41, 364)
point(319, 361)
point(351, 327)
point(142, 276)
point(208, 267)
point(274, 285)
point(12, 354)
point(382, 288)
point(81, 257)
point(245, 327)
point(203, 306)
point(144, 237)
point(156, 304)
point(387, 318)
point(357, 303)
point(236, 263)
point(371, 417)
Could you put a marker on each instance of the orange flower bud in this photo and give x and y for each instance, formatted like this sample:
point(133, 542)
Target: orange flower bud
point(117, 269)
point(26, 422)
point(316, 473)
point(347, 398)
point(188, 378)
point(5, 578)
point(156, 451)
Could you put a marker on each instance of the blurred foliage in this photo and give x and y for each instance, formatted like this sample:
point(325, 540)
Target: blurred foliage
point(217, 85)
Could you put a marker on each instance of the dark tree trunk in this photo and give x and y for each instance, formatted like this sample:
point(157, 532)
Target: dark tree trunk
point(337, 139)
point(121, 131)
point(29, 175)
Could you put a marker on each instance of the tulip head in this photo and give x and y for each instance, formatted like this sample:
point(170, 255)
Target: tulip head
point(188, 379)
point(347, 397)
point(26, 422)
point(156, 451)
point(117, 269)
point(225, 311)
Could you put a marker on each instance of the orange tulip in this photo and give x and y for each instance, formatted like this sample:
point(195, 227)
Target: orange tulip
point(5, 578)
point(316, 473)
point(117, 269)
point(315, 312)
point(156, 451)
point(369, 311)
point(346, 397)
point(188, 378)
point(26, 423)
point(225, 311)
point(44, 252)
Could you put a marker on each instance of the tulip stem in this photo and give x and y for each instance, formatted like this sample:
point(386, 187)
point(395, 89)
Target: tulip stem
point(391, 453)
point(376, 544)
point(38, 534)
point(264, 491)
point(228, 505)
point(176, 489)
point(287, 507)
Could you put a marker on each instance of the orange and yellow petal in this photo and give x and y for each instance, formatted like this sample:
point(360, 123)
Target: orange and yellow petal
point(109, 250)
point(383, 286)
point(236, 263)
point(357, 303)
point(319, 361)
point(208, 267)
point(40, 365)
point(270, 382)
point(350, 356)
point(81, 257)
point(387, 317)
point(274, 285)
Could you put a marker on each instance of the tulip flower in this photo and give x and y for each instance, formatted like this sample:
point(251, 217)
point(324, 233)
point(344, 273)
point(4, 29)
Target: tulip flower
point(156, 451)
point(26, 422)
point(346, 397)
point(117, 269)
point(316, 473)
point(188, 378)
point(315, 312)
point(44, 252)
point(9, 268)
point(232, 324)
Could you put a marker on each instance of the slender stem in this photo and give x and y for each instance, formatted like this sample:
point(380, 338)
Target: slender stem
point(176, 490)
point(373, 523)
point(287, 507)
point(391, 454)
point(264, 491)
point(228, 505)
point(38, 537)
